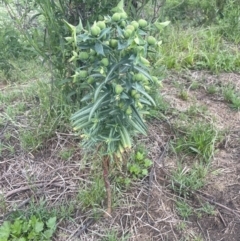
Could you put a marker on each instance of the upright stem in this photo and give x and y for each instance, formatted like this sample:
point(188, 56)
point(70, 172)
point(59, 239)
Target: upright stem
point(107, 184)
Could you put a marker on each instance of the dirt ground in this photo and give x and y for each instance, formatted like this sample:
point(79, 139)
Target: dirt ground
point(145, 212)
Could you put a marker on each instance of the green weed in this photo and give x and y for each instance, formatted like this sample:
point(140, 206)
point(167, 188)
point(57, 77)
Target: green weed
point(185, 180)
point(199, 139)
point(139, 165)
point(198, 48)
point(208, 209)
point(65, 154)
point(212, 89)
point(194, 85)
point(231, 96)
point(183, 209)
point(196, 111)
point(113, 236)
point(93, 195)
point(184, 95)
point(23, 229)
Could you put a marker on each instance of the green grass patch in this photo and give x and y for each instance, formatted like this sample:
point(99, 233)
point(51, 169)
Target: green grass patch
point(198, 48)
point(197, 139)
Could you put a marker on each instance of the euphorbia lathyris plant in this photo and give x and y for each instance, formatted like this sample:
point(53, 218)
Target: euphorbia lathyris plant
point(113, 74)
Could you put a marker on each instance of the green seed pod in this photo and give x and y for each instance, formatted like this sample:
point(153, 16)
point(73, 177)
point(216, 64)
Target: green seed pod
point(92, 58)
point(116, 17)
point(146, 87)
point(142, 23)
point(151, 40)
point(83, 74)
point(123, 15)
point(127, 33)
point(101, 24)
point(130, 27)
point(145, 61)
point(95, 30)
point(83, 56)
point(113, 43)
point(155, 79)
point(90, 80)
point(138, 77)
point(118, 89)
point(140, 105)
point(123, 23)
point(135, 24)
point(137, 96)
point(129, 111)
point(100, 17)
point(105, 62)
point(133, 93)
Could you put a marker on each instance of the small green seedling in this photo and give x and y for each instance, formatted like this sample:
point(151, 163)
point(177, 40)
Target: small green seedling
point(140, 165)
point(23, 229)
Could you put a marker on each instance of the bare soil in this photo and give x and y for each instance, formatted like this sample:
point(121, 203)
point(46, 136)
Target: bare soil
point(146, 211)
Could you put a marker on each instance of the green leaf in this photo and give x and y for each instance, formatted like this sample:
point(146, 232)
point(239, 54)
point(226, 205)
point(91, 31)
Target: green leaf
point(119, 7)
point(22, 239)
point(51, 223)
point(109, 76)
point(48, 233)
point(143, 72)
point(194, 150)
point(99, 48)
point(147, 162)
point(96, 105)
point(138, 127)
point(81, 126)
point(139, 156)
point(139, 88)
point(135, 169)
point(5, 231)
point(79, 27)
point(138, 119)
point(122, 45)
point(16, 227)
point(104, 32)
point(38, 227)
point(80, 120)
point(144, 172)
point(160, 26)
point(81, 112)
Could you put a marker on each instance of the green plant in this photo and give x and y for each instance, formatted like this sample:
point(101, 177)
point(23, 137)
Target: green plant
point(184, 95)
point(212, 89)
point(117, 91)
point(182, 226)
point(113, 236)
point(198, 139)
point(183, 209)
point(195, 85)
point(231, 96)
point(208, 209)
point(15, 49)
point(92, 195)
point(65, 154)
point(197, 48)
point(139, 165)
point(23, 229)
point(185, 180)
point(229, 22)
